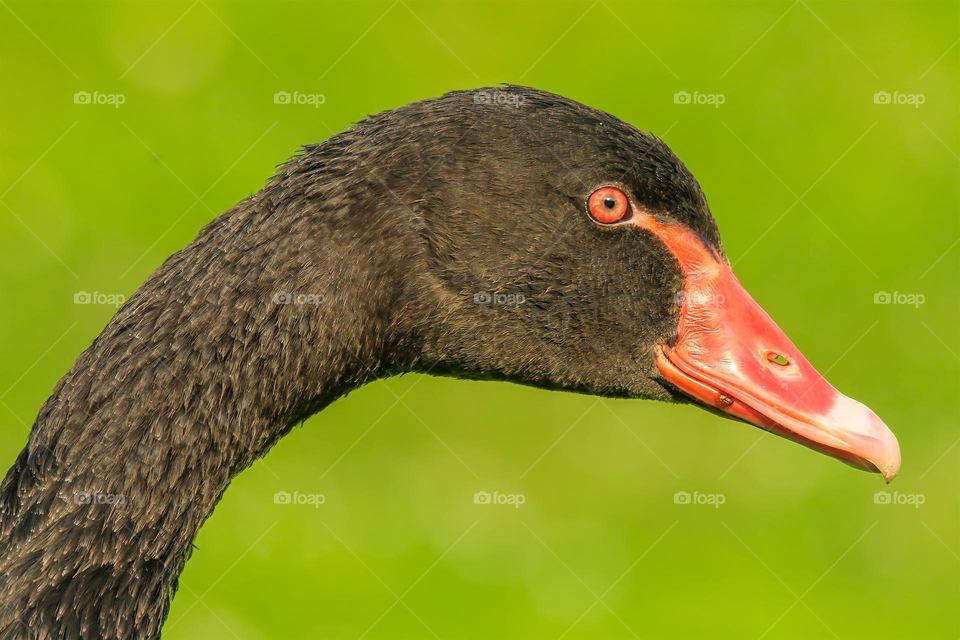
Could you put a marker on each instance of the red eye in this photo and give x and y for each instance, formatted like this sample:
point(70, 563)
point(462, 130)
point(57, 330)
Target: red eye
point(608, 205)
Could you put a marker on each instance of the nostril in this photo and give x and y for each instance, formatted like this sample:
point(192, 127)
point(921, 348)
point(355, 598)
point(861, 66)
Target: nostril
point(777, 358)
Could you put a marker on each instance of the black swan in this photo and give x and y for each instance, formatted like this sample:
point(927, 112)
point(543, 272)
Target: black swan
point(506, 233)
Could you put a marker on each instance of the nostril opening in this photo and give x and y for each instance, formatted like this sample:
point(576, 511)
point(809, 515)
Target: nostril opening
point(777, 358)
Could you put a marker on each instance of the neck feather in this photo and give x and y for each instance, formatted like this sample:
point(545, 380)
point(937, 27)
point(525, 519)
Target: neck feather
point(250, 329)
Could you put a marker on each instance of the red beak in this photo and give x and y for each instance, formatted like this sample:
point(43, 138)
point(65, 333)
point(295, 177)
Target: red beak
point(731, 356)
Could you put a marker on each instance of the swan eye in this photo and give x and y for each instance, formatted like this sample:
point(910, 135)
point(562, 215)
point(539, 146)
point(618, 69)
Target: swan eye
point(607, 205)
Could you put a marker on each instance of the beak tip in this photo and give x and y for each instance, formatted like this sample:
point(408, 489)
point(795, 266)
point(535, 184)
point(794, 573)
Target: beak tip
point(866, 435)
point(889, 464)
point(890, 470)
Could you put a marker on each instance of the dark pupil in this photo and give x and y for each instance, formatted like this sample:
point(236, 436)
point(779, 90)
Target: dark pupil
point(610, 202)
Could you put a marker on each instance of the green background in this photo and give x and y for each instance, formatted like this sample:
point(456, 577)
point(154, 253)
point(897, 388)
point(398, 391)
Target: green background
point(823, 197)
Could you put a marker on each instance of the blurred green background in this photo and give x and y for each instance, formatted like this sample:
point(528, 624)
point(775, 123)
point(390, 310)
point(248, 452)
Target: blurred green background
point(825, 195)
